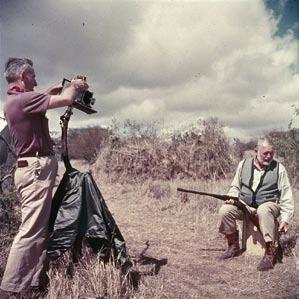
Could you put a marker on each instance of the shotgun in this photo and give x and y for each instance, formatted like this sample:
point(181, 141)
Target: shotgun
point(219, 196)
point(248, 211)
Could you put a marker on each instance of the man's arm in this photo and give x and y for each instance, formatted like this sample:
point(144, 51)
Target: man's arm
point(286, 199)
point(235, 186)
point(68, 95)
point(55, 89)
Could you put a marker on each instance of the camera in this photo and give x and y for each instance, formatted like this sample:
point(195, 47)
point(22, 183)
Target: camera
point(84, 100)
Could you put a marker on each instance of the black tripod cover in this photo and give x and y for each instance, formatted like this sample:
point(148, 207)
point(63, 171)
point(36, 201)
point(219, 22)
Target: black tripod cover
point(79, 211)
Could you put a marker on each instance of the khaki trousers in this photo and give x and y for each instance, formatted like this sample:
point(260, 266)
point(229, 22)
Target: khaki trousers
point(267, 214)
point(27, 259)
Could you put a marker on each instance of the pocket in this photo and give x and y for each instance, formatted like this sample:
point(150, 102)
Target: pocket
point(23, 177)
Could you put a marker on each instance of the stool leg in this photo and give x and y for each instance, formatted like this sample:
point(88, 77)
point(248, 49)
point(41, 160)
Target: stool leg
point(244, 233)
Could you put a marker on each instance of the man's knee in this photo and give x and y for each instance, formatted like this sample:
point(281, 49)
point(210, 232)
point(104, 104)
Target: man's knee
point(226, 210)
point(268, 209)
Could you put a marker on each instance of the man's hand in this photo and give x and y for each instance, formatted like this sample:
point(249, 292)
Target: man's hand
point(68, 94)
point(230, 201)
point(79, 84)
point(283, 226)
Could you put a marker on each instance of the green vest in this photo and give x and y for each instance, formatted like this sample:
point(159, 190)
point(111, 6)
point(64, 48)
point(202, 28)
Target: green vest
point(267, 189)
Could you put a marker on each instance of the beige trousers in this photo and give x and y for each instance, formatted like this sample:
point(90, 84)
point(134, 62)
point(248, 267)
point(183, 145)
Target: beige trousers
point(27, 259)
point(267, 214)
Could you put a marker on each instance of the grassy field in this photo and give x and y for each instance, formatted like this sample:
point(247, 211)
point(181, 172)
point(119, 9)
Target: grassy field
point(172, 238)
point(174, 243)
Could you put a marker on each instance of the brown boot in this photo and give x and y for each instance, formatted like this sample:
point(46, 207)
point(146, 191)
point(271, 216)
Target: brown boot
point(269, 259)
point(233, 246)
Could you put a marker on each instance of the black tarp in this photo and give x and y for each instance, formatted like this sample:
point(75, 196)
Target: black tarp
point(80, 212)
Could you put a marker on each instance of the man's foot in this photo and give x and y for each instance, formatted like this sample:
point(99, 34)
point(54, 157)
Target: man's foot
point(266, 263)
point(269, 259)
point(233, 246)
point(231, 251)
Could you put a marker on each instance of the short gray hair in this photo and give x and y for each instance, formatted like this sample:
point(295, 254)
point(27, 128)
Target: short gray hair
point(263, 140)
point(14, 66)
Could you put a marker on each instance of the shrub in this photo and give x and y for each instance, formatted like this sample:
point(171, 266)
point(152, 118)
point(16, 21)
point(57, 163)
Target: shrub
point(286, 144)
point(287, 148)
point(139, 154)
point(85, 144)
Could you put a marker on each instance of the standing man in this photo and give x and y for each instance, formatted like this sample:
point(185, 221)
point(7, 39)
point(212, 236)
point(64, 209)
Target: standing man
point(25, 112)
point(264, 185)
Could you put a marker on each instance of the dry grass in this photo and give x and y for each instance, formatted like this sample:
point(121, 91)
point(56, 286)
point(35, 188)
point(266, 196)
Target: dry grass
point(10, 217)
point(172, 238)
point(185, 233)
point(174, 243)
point(87, 279)
point(138, 154)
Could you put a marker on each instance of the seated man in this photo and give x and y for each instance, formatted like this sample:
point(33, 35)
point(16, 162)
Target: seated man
point(263, 184)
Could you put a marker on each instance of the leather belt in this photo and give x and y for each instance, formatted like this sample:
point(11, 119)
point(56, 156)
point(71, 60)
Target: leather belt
point(22, 163)
point(37, 154)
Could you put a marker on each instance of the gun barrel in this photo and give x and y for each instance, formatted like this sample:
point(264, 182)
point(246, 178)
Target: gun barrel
point(219, 196)
point(239, 203)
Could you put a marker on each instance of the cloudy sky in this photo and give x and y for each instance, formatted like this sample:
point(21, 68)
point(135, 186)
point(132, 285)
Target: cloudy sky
point(172, 62)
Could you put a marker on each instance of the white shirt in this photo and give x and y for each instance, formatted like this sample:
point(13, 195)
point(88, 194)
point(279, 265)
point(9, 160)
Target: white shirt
point(286, 201)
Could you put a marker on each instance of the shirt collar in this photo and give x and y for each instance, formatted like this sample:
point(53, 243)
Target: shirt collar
point(15, 89)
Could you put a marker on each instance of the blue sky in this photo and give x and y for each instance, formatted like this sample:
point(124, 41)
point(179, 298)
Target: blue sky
point(288, 13)
point(172, 62)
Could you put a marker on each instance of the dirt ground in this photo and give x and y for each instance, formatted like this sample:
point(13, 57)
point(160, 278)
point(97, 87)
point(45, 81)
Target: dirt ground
point(180, 239)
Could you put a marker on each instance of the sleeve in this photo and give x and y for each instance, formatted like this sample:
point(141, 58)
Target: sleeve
point(36, 103)
point(286, 196)
point(235, 186)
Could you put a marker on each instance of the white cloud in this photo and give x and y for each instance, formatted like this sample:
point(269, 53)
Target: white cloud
point(167, 60)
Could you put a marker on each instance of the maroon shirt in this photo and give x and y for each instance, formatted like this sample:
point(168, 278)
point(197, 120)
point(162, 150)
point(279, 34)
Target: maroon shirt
point(25, 113)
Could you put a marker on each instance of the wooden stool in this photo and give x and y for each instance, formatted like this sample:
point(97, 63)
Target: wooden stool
point(252, 240)
point(255, 244)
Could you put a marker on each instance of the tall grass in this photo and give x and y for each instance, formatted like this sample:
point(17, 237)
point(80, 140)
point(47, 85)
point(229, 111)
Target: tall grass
point(202, 152)
point(10, 217)
point(88, 279)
